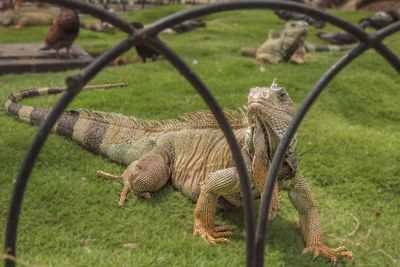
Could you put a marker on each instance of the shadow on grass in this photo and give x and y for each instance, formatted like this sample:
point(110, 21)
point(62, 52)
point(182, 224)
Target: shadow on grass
point(284, 240)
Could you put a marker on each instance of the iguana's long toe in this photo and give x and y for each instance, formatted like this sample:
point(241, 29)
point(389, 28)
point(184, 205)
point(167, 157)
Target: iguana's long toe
point(146, 195)
point(124, 193)
point(209, 238)
point(333, 254)
point(222, 229)
point(222, 233)
point(214, 241)
point(213, 235)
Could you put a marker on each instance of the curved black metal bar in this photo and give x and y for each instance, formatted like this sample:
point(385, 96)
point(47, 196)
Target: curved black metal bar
point(77, 82)
point(91, 9)
point(25, 170)
point(147, 36)
point(388, 30)
point(96, 66)
point(388, 55)
point(74, 83)
point(284, 144)
point(374, 41)
point(248, 207)
point(382, 49)
point(316, 13)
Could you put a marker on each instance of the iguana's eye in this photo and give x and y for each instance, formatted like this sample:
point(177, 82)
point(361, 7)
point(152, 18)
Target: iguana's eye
point(281, 95)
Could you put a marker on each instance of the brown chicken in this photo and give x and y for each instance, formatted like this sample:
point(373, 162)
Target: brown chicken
point(63, 32)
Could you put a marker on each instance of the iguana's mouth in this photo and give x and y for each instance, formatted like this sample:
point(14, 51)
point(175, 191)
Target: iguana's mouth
point(258, 105)
point(267, 115)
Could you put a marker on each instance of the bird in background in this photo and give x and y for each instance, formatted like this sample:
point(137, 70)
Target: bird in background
point(143, 50)
point(63, 32)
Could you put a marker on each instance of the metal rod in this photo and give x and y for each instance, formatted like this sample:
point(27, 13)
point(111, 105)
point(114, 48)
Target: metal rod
point(106, 58)
point(146, 36)
point(282, 148)
point(93, 10)
point(74, 83)
point(198, 11)
point(388, 30)
point(25, 170)
point(202, 89)
point(388, 55)
point(382, 49)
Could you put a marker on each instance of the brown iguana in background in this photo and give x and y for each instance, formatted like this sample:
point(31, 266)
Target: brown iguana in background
point(22, 18)
point(286, 45)
point(194, 154)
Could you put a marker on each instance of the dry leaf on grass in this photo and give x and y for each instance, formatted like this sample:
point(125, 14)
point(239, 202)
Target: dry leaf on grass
point(130, 245)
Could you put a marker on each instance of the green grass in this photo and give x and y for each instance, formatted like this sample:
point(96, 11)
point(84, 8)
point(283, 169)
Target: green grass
point(349, 151)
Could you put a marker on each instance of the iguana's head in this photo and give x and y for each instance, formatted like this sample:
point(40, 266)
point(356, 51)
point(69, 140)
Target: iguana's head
point(299, 26)
point(293, 37)
point(8, 17)
point(273, 107)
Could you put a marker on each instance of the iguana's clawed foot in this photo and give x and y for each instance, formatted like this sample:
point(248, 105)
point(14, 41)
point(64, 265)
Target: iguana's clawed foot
point(146, 195)
point(212, 235)
point(333, 254)
point(273, 211)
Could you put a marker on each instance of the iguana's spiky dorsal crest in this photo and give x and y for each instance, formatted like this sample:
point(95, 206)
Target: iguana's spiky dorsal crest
point(206, 119)
point(191, 120)
point(274, 85)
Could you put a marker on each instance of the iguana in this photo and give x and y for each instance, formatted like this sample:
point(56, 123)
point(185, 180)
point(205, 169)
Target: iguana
point(22, 18)
point(251, 51)
point(192, 152)
point(286, 45)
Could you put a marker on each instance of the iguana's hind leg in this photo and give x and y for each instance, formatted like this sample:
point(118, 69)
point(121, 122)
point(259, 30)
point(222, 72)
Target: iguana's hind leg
point(147, 174)
point(125, 189)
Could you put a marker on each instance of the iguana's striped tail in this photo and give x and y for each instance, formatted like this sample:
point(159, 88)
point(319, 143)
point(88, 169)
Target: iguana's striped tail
point(120, 138)
point(34, 115)
point(67, 125)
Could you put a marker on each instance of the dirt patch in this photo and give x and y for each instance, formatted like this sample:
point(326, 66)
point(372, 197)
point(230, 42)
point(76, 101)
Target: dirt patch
point(381, 5)
point(369, 5)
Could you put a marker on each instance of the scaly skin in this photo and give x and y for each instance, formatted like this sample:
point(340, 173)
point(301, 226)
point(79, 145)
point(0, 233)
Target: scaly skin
point(22, 18)
point(286, 45)
point(194, 154)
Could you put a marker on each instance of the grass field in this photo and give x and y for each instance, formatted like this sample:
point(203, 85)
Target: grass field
point(349, 151)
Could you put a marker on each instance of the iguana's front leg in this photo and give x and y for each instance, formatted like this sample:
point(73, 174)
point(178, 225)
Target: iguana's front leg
point(219, 183)
point(302, 199)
